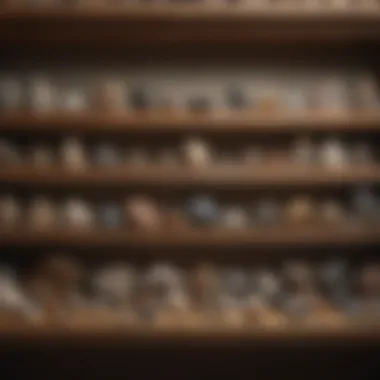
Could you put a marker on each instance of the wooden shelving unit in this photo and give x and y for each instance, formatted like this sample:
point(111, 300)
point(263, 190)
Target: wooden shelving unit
point(176, 26)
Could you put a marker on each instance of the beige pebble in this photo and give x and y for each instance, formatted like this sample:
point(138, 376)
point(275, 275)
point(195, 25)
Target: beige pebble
point(143, 212)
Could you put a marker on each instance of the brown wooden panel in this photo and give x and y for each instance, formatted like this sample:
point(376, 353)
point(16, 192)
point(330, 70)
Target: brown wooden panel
point(186, 24)
point(212, 237)
point(177, 121)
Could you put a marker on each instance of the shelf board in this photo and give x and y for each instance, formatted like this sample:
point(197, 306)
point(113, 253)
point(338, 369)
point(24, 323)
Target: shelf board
point(179, 24)
point(174, 237)
point(189, 12)
point(175, 121)
point(182, 176)
point(369, 335)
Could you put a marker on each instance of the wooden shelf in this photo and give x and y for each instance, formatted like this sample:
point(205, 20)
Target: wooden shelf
point(270, 236)
point(166, 121)
point(178, 24)
point(190, 12)
point(185, 25)
point(181, 176)
point(138, 336)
